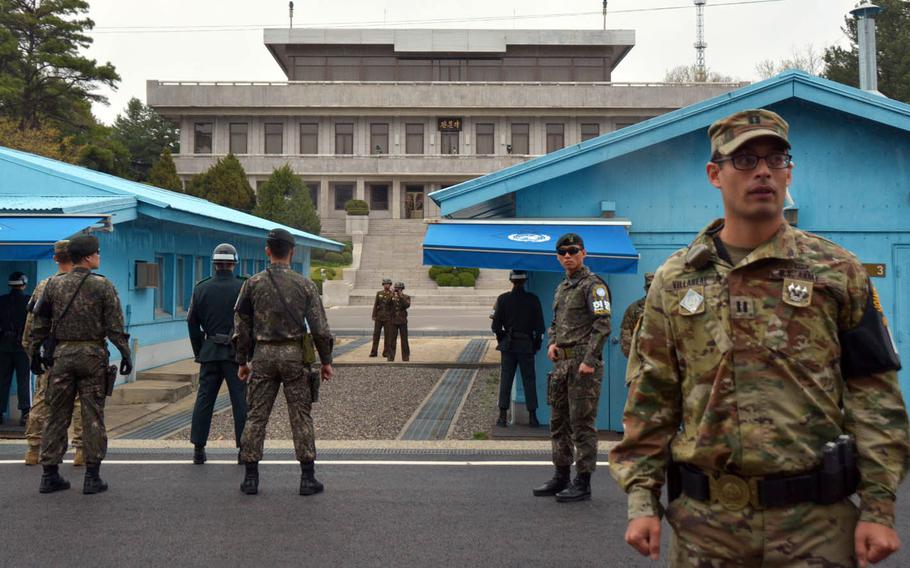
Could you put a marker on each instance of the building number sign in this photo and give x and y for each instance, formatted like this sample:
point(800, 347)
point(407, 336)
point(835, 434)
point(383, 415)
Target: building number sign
point(876, 270)
point(449, 124)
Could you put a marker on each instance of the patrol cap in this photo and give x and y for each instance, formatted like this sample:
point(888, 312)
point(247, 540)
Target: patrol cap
point(728, 134)
point(399, 285)
point(61, 247)
point(283, 235)
point(225, 252)
point(18, 279)
point(570, 239)
point(83, 246)
point(517, 275)
point(386, 281)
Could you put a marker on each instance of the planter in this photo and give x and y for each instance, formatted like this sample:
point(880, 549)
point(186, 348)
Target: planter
point(354, 224)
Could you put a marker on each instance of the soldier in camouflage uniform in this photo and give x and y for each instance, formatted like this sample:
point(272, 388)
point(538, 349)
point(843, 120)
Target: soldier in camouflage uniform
point(37, 418)
point(273, 349)
point(581, 325)
point(80, 309)
point(398, 324)
point(632, 316)
point(759, 347)
point(382, 308)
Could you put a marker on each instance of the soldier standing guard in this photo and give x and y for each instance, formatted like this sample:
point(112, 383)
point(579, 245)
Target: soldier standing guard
point(398, 324)
point(77, 311)
point(13, 359)
point(632, 316)
point(211, 324)
point(581, 325)
point(278, 320)
point(37, 418)
point(518, 325)
point(762, 385)
point(381, 312)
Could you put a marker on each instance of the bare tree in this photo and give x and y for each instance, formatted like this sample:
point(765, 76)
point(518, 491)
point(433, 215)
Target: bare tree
point(687, 74)
point(806, 59)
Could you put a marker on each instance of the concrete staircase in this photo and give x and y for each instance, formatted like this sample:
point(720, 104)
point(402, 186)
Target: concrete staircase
point(166, 384)
point(393, 249)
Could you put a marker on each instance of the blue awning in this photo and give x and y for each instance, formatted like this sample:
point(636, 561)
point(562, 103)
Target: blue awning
point(527, 246)
point(32, 237)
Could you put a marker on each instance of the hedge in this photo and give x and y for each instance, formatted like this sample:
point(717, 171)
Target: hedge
point(357, 207)
point(347, 257)
point(447, 279)
point(466, 279)
point(334, 257)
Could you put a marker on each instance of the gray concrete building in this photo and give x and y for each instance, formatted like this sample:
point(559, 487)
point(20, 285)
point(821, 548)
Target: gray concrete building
point(389, 116)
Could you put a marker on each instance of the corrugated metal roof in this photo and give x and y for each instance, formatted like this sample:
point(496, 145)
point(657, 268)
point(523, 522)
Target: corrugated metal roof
point(59, 204)
point(146, 194)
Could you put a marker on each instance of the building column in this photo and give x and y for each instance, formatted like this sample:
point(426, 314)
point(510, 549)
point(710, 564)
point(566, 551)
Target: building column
point(360, 189)
point(396, 202)
point(326, 201)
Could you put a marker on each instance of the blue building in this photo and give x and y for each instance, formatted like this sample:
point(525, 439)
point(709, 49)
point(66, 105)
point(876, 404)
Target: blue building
point(155, 243)
point(851, 184)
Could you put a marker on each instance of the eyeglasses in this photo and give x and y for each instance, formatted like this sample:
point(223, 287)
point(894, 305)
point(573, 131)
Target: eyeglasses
point(745, 162)
point(568, 251)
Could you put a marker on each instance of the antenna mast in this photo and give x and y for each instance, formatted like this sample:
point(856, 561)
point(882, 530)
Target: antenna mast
point(605, 15)
point(701, 71)
point(291, 14)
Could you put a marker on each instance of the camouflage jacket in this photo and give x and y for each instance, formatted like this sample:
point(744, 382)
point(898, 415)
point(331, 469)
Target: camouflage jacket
point(95, 313)
point(735, 370)
point(398, 310)
point(581, 314)
point(259, 315)
point(382, 306)
point(629, 321)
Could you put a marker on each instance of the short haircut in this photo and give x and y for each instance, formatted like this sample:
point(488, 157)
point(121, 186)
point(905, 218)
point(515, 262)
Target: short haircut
point(279, 248)
point(62, 257)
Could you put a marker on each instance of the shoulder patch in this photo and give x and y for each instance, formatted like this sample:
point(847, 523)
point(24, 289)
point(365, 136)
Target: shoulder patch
point(600, 299)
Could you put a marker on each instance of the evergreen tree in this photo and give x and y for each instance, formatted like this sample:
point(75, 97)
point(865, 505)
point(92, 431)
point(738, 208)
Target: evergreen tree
point(146, 134)
point(46, 141)
point(301, 212)
point(99, 151)
point(224, 183)
point(283, 198)
point(43, 78)
point(163, 173)
point(892, 44)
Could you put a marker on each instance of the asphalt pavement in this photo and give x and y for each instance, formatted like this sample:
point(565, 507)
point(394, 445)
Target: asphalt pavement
point(381, 509)
point(431, 320)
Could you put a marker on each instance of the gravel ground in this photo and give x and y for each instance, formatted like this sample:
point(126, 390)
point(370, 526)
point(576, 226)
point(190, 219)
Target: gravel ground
point(478, 415)
point(360, 403)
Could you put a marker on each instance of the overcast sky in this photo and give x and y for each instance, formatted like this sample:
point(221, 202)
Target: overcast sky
point(222, 39)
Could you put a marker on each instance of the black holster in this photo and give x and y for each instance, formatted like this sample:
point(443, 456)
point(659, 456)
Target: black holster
point(48, 347)
point(315, 378)
point(674, 481)
point(110, 377)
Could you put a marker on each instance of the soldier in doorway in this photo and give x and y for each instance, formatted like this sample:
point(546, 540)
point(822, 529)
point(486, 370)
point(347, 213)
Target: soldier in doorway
point(398, 324)
point(519, 328)
point(382, 308)
point(211, 324)
point(13, 359)
point(632, 316)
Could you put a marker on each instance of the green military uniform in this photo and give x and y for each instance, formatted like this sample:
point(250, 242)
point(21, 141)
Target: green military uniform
point(398, 324)
point(631, 318)
point(382, 312)
point(738, 370)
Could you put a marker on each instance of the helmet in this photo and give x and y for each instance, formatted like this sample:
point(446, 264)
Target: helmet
point(225, 253)
point(18, 279)
point(386, 281)
point(399, 285)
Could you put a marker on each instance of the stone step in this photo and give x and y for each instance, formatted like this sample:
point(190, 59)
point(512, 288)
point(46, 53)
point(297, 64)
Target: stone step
point(186, 371)
point(151, 391)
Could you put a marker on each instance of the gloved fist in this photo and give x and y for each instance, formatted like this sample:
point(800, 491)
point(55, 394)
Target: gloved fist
point(126, 366)
point(37, 365)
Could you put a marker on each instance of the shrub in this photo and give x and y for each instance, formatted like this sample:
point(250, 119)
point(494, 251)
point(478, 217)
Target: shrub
point(318, 254)
point(334, 257)
point(466, 279)
point(437, 270)
point(348, 246)
point(474, 271)
point(357, 207)
point(447, 279)
point(347, 257)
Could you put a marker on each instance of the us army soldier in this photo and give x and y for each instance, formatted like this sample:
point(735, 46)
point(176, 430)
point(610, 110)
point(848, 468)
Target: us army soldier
point(632, 316)
point(279, 312)
point(763, 384)
point(382, 308)
point(37, 418)
point(79, 310)
point(581, 325)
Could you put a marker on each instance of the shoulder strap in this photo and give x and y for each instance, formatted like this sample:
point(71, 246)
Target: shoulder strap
point(70, 303)
point(284, 302)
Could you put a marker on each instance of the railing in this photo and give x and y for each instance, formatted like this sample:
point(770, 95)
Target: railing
point(441, 83)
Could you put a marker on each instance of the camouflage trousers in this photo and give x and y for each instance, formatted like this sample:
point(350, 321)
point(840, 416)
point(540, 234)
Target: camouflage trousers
point(37, 418)
point(268, 374)
point(77, 369)
point(707, 535)
point(573, 399)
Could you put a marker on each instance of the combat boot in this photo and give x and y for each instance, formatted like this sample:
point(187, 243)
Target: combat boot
point(503, 419)
point(532, 419)
point(199, 455)
point(32, 455)
point(309, 485)
point(579, 490)
point(559, 482)
point(93, 483)
point(52, 481)
point(250, 484)
point(78, 458)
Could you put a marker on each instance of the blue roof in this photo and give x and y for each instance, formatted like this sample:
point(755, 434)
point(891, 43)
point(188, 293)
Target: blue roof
point(93, 191)
point(787, 85)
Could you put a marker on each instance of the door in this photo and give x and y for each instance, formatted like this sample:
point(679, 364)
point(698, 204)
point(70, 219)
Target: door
point(901, 324)
point(413, 202)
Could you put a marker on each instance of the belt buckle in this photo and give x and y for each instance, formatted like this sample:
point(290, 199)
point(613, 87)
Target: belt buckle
point(733, 492)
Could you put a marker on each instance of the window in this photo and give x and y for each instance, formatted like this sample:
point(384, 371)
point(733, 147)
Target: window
point(343, 68)
point(379, 197)
point(555, 69)
point(250, 267)
point(184, 283)
point(197, 270)
point(519, 69)
point(309, 68)
point(309, 138)
point(413, 138)
point(379, 138)
point(344, 192)
point(238, 136)
point(448, 142)
point(589, 130)
point(450, 70)
point(274, 138)
point(521, 139)
point(484, 135)
point(313, 188)
point(344, 138)
point(202, 138)
point(164, 293)
point(556, 137)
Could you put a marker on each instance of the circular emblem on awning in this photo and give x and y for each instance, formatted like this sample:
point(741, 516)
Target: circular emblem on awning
point(529, 237)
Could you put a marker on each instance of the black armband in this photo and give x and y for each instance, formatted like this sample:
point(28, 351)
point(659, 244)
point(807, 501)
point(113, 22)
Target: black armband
point(244, 306)
point(43, 308)
point(868, 348)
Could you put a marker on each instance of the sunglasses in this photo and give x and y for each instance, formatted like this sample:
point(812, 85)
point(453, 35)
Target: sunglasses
point(572, 251)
